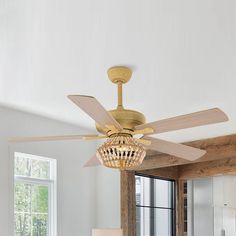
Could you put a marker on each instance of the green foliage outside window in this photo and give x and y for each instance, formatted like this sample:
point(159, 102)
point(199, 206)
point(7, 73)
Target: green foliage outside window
point(31, 200)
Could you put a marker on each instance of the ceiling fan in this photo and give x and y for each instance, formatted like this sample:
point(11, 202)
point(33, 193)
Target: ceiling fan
point(122, 128)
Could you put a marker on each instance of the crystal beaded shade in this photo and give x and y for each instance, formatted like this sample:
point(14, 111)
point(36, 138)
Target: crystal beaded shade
point(121, 152)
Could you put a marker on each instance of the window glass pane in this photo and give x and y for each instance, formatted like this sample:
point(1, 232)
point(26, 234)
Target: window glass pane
point(22, 224)
point(143, 221)
point(143, 191)
point(163, 222)
point(40, 169)
point(153, 221)
point(31, 209)
point(31, 167)
point(163, 193)
point(22, 166)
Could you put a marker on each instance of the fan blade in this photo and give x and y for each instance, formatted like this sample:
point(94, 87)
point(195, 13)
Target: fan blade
point(95, 110)
point(92, 162)
point(175, 149)
point(55, 138)
point(200, 118)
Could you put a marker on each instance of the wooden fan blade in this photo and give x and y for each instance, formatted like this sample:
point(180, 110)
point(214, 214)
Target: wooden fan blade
point(175, 149)
point(92, 162)
point(200, 118)
point(95, 110)
point(55, 138)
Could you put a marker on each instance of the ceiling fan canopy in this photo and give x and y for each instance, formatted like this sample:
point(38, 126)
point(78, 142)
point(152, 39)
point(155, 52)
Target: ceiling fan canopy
point(123, 149)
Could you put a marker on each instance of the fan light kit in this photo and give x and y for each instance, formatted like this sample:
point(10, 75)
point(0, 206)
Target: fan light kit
point(121, 152)
point(123, 149)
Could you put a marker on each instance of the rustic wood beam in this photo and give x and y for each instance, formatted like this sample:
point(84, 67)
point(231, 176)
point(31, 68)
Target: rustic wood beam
point(180, 208)
point(217, 148)
point(209, 168)
point(128, 203)
point(165, 172)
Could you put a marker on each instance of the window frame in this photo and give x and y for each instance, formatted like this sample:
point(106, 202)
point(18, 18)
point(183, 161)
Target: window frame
point(51, 183)
point(173, 200)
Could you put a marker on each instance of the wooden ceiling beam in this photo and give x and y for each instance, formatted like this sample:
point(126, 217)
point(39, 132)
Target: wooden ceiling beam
point(217, 148)
point(225, 166)
point(171, 172)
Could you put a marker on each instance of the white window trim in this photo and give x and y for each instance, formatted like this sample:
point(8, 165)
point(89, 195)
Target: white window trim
point(52, 187)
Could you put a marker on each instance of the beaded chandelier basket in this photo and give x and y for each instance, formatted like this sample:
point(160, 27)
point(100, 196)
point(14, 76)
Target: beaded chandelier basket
point(121, 152)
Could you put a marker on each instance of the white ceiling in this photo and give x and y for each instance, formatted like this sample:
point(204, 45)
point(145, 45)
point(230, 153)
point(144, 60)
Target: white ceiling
point(183, 54)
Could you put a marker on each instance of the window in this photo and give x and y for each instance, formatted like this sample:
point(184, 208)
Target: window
point(35, 195)
point(155, 206)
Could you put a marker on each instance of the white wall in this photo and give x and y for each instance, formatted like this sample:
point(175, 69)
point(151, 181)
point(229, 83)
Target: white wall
point(108, 198)
point(76, 185)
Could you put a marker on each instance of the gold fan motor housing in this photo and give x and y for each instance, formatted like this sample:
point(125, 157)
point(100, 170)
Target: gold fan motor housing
point(128, 119)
